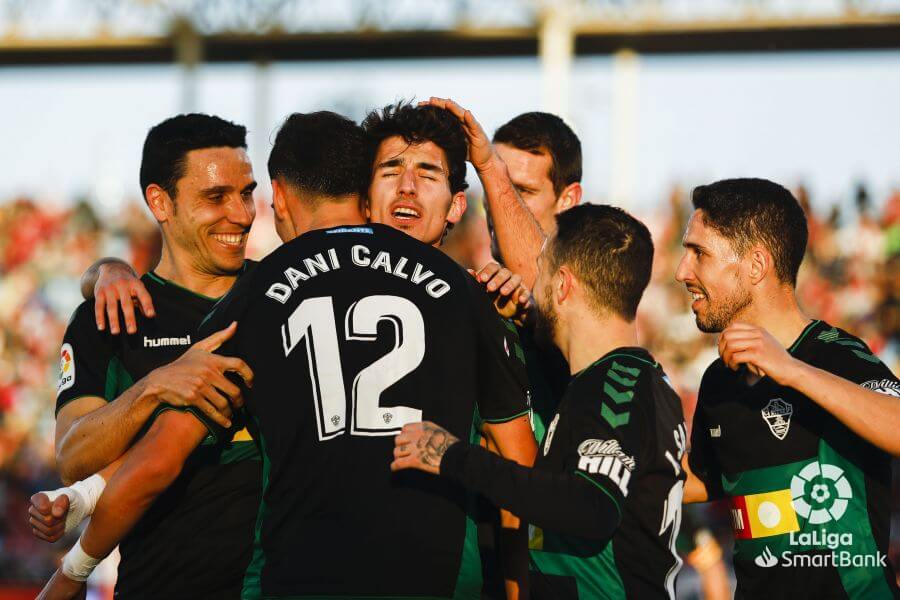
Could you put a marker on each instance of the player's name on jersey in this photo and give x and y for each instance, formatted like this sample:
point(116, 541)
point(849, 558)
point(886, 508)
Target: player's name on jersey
point(360, 256)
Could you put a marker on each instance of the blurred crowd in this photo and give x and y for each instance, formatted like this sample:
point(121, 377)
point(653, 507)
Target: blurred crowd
point(851, 278)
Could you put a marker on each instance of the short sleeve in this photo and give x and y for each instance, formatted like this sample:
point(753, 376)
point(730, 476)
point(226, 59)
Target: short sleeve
point(701, 458)
point(502, 379)
point(608, 439)
point(84, 358)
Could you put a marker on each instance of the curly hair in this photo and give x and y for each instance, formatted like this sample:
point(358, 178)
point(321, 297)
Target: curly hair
point(418, 124)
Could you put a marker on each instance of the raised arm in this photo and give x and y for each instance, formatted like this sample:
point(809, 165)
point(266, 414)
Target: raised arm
point(518, 233)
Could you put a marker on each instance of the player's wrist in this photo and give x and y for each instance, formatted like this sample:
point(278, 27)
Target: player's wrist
point(78, 564)
point(452, 461)
point(794, 373)
point(490, 165)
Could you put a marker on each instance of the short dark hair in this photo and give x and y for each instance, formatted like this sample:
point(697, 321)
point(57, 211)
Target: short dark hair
point(610, 251)
point(322, 153)
point(540, 132)
point(750, 211)
point(167, 145)
point(417, 124)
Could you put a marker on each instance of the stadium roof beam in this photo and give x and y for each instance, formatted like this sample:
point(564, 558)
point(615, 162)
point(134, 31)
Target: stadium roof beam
point(591, 37)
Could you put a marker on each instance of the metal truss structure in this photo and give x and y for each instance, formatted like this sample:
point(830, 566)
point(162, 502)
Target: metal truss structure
point(110, 31)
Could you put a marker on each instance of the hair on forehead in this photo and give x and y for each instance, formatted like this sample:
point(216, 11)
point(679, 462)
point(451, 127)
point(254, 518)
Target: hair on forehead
point(416, 125)
point(546, 133)
point(752, 211)
point(164, 157)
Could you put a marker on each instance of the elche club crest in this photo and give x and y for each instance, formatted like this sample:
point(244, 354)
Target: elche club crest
point(777, 415)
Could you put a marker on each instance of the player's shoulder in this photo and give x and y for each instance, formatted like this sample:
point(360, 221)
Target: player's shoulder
point(623, 379)
point(823, 343)
point(84, 322)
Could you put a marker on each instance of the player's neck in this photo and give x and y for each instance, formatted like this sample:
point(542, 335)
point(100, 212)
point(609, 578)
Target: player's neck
point(779, 314)
point(331, 214)
point(589, 339)
point(183, 274)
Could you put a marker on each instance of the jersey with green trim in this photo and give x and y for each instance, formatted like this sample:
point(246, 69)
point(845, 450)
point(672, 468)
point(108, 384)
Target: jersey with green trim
point(619, 425)
point(810, 502)
point(196, 539)
point(351, 333)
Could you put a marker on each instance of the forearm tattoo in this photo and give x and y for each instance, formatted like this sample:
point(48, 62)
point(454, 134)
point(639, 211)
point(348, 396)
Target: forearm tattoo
point(433, 444)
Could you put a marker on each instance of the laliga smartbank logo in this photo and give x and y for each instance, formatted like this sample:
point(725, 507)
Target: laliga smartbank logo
point(820, 493)
point(842, 552)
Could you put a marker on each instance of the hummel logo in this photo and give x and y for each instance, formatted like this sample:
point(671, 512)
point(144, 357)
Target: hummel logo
point(716, 431)
point(166, 341)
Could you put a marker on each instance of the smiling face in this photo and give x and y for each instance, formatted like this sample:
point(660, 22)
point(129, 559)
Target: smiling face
point(208, 221)
point(714, 275)
point(410, 190)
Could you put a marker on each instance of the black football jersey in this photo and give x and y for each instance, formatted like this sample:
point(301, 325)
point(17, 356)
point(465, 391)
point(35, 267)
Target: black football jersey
point(351, 333)
point(620, 426)
point(196, 539)
point(810, 502)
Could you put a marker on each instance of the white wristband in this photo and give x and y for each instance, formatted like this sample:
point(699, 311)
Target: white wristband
point(77, 564)
point(83, 496)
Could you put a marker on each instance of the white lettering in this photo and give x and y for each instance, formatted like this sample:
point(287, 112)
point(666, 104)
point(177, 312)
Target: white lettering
point(437, 288)
point(279, 291)
point(398, 268)
point(294, 276)
point(418, 276)
point(360, 256)
point(382, 261)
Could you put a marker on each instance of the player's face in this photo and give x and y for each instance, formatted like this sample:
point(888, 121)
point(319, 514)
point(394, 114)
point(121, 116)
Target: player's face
point(211, 214)
point(410, 190)
point(711, 270)
point(547, 318)
point(530, 174)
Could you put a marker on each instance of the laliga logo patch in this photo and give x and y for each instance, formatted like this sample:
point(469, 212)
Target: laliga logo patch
point(820, 493)
point(777, 415)
point(888, 387)
point(66, 368)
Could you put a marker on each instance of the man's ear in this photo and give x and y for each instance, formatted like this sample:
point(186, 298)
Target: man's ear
point(570, 196)
point(457, 208)
point(161, 205)
point(563, 284)
point(761, 264)
point(279, 201)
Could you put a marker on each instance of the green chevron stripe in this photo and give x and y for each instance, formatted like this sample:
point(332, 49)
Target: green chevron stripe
point(868, 357)
point(620, 380)
point(618, 397)
point(627, 370)
point(612, 418)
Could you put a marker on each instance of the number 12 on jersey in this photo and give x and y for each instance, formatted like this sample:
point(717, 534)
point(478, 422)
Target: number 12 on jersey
point(313, 321)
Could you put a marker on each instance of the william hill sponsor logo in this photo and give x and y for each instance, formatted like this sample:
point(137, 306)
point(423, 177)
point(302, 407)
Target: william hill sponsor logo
point(166, 341)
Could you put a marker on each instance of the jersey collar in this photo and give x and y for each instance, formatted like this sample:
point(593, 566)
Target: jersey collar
point(634, 352)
